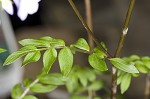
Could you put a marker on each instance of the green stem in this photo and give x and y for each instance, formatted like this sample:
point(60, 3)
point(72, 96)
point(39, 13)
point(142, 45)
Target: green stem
point(147, 87)
point(89, 20)
point(28, 88)
point(119, 48)
point(87, 28)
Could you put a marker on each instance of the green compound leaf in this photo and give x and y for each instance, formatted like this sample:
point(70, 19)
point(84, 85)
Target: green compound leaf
point(31, 57)
point(14, 56)
point(97, 62)
point(97, 85)
point(2, 50)
point(54, 42)
point(49, 58)
point(39, 88)
point(82, 44)
point(53, 79)
point(34, 42)
point(16, 91)
point(123, 65)
point(30, 97)
point(65, 59)
point(125, 83)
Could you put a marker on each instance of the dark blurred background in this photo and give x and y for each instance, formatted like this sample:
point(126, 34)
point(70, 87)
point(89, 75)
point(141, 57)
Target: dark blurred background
point(57, 19)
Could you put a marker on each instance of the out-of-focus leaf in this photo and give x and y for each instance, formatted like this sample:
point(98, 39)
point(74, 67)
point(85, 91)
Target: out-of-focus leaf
point(83, 79)
point(97, 85)
point(65, 59)
point(30, 97)
point(16, 91)
point(49, 58)
point(72, 83)
point(146, 61)
point(120, 77)
point(141, 67)
point(2, 50)
point(125, 83)
point(52, 78)
point(27, 82)
point(97, 98)
point(79, 97)
point(39, 88)
point(123, 65)
point(134, 57)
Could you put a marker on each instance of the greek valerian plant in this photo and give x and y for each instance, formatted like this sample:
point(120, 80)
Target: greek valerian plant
point(78, 80)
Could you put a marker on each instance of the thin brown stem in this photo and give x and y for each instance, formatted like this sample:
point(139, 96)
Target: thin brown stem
point(119, 48)
point(87, 28)
point(89, 20)
point(147, 87)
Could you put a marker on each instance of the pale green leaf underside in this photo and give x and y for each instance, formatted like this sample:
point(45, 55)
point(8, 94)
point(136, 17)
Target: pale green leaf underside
point(34, 42)
point(123, 65)
point(82, 44)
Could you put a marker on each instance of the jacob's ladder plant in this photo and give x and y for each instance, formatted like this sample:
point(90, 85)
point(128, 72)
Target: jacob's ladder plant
point(78, 79)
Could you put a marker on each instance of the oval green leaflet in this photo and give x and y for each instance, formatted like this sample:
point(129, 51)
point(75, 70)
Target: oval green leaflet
point(125, 82)
point(65, 59)
point(54, 42)
point(82, 45)
point(34, 42)
point(97, 62)
point(14, 56)
point(49, 58)
point(31, 57)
